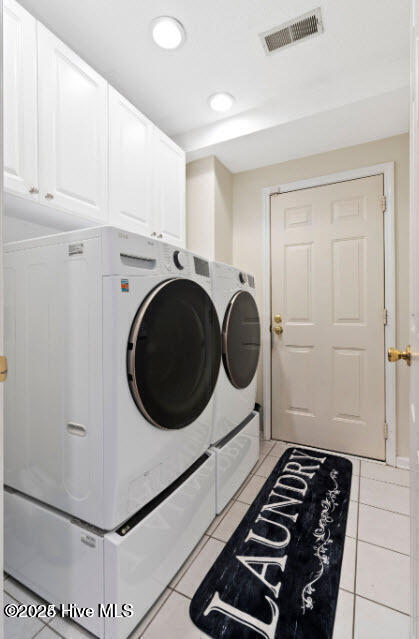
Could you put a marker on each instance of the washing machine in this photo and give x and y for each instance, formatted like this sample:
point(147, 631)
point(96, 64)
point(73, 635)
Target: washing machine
point(114, 351)
point(235, 434)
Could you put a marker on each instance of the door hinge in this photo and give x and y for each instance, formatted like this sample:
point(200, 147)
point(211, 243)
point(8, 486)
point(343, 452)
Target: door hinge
point(385, 430)
point(3, 368)
point(383, 201)
point(385, 317)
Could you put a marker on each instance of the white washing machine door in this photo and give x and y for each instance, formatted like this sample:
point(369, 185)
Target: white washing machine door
point(241, 339)
point(174, 353)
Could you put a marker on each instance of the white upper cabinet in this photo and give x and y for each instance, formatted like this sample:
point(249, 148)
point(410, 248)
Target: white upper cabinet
point(73, 131)
point(169, 189)
point(130, 168)
point(20, 101)
point(76, 146)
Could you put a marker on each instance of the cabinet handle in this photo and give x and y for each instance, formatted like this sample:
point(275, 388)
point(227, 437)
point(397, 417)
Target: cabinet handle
point(49, 196)
point(160, 235)
point(153, 234)
point(33, 190)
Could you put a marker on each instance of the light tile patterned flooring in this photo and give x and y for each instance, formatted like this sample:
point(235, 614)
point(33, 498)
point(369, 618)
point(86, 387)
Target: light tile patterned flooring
point(374, 589)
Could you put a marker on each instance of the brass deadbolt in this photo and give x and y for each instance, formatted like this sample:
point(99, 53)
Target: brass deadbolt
point(278, 318)
point(394, 355)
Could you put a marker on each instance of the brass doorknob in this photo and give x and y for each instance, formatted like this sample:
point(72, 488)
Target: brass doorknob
point(278, 330)
point(394, 355)
point(3, 368)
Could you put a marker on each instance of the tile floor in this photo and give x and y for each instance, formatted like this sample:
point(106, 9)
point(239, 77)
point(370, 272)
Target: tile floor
point(374, 590)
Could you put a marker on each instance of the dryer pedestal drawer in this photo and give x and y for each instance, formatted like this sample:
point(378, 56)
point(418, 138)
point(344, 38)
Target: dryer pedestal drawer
point(236, 455)
point(64, 562)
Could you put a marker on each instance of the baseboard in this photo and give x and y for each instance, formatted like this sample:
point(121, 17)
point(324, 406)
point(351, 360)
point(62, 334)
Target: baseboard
point(403, 462)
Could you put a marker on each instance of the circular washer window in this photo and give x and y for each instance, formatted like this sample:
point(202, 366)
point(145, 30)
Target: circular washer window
point(241, 339)
point(174, 353)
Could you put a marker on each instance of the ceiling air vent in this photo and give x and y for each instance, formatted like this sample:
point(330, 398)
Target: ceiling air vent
point(304, 27)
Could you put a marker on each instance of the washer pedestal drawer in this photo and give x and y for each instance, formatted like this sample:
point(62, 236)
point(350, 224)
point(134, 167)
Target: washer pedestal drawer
point(66, 562)
point(236, 455)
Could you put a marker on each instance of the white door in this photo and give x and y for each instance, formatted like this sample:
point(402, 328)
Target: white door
point(73, 131)
point(20, 102)
point(328, 385)
point(130, 166)
point(414, 320)
point(169, 190)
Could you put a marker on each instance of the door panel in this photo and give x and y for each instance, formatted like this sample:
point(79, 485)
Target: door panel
point(129, 166)
point(20, 102)
point(348, 280)
point(328, 284)
point(299, 363)
point(298, 282)
point(169, 190)
point(73, 124)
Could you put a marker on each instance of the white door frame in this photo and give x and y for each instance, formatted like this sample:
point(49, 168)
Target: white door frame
point(387, 170)
point(1, 319)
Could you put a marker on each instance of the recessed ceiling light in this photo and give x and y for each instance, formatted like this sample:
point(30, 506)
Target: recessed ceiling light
point(167, 32)
point(221, 102)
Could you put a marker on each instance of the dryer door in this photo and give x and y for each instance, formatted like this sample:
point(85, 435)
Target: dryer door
point(174, 353)
point(241, 339)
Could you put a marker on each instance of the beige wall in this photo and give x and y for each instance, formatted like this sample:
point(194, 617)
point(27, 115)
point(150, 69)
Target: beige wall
point(223, 222)
point(247, 229)
point(200, 202)
point(209, 209)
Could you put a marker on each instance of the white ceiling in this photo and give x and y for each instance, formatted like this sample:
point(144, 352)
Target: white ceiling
point(364, 121)
point(363, 53)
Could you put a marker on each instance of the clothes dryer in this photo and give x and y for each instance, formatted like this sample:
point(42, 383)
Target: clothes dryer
point(233, 293)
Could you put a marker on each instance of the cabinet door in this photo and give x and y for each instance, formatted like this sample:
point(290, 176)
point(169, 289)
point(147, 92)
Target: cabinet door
point(20, 105)
point(73, 131)
point(130, 164)
point(169, 190)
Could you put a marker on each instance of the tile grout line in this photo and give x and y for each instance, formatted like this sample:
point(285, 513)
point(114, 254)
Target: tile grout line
point(41, 619)
point(157, 612)
point(37, 634)
point(356, 555)
point(194, 559)
point(182, 593)
point(369, 543)
point(378, 603)
point(185, 596)
point(173, 588)
point(383, 481)
point(8, 593)
point(394, 512)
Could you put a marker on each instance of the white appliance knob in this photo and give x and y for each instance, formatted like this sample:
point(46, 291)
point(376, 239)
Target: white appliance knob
point(179, 259)
point(243, 278)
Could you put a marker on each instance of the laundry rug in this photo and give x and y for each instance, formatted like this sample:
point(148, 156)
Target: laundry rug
point(278, 575)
